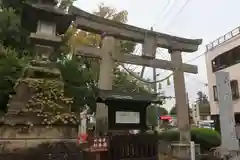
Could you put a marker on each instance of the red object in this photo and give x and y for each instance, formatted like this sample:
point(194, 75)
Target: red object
point(165, 117)
point(82, 138)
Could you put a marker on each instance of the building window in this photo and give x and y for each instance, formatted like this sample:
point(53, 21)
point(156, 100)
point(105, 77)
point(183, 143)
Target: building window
point(235, 90)
point(226, 59)
point(215, 93)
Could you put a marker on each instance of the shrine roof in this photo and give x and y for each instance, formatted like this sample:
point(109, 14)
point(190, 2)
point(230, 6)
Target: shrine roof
point(110, 95)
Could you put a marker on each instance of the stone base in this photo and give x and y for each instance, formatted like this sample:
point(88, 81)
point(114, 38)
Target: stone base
point(183, 151)
point(11, 139)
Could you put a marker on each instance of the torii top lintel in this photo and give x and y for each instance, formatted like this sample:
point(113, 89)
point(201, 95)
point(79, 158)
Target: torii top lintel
point(92, 23)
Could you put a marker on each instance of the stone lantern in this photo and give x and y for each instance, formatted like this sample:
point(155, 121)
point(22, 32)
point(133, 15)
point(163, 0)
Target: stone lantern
point(46, 23)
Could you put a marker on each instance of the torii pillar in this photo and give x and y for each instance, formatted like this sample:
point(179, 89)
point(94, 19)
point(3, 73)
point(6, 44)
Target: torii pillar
point(181, 149)
point(181, 98)
point(105, 81)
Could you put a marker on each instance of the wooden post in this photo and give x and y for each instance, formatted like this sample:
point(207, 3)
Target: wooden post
point(105, 81)
point(180, 94)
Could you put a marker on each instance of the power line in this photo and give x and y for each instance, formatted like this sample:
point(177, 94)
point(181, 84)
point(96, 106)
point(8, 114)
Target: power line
point(179, 11)
point(199, 81)
point(195, 58)
point(154, 69)
point(164, 11)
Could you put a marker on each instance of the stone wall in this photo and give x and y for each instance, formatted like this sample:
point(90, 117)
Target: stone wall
point(13, 138)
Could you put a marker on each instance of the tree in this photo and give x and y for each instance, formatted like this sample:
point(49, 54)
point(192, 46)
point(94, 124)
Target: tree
point(11, 33)
point(162, 111)
point(13, 46)
point(203, 103)
point(202, 98)
point(64, 4)
point(10, 70)
point(154, 112)
point(80, 82)
point(173, 110)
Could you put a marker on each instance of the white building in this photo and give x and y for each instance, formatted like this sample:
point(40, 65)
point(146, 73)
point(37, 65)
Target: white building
point(224, 54)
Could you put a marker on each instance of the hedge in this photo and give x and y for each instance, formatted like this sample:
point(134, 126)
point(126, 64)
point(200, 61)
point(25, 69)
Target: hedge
point(207, 138)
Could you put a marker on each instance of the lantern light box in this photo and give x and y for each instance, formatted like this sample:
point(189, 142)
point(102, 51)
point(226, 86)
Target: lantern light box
point(126, 110)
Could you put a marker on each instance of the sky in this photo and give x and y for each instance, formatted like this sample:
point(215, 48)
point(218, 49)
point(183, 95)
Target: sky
point(204, 19)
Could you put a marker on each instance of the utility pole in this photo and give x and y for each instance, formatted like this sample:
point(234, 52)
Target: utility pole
point(155, 91)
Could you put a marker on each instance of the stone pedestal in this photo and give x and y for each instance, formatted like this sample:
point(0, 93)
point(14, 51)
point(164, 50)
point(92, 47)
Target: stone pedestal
point(183, 151)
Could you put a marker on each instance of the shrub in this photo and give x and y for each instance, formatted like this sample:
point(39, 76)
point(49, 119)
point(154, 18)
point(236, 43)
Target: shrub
point(207, 138)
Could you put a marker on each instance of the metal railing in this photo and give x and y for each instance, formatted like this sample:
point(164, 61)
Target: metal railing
point(223, 39)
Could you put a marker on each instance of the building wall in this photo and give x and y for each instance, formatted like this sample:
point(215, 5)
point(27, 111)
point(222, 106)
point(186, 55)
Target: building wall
point(234, 72)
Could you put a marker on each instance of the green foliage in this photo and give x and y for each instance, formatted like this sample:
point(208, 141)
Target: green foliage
point(66, 3)
point(80, 82)
point(204, 106)
point(207, 138)
point(123, 82)
point(11, 33)
point(153, 112)
point(202, 98)
point(10, 70)
point(15, 4)
point(173, 111)
point(152, 115)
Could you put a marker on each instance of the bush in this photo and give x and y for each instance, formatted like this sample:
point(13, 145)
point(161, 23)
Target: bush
point(207, 138)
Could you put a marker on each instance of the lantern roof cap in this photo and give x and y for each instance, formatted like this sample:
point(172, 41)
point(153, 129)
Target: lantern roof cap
point(48, 8)
point(32, 13)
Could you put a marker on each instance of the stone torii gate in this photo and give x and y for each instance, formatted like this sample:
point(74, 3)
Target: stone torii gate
point(109, 53)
